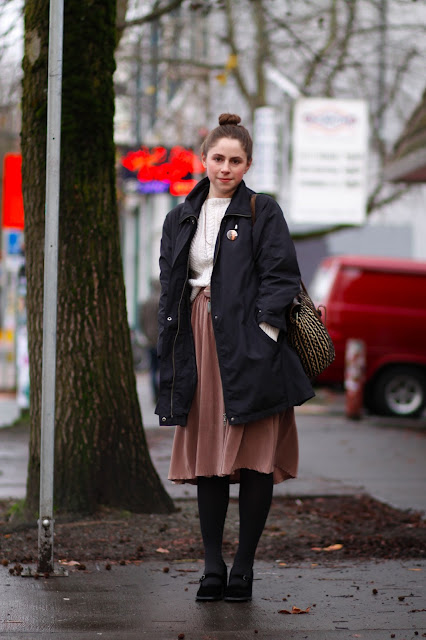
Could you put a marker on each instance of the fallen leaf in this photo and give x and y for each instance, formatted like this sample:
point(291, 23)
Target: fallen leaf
point(295, 610)
point(161, 550)
point(332, 547)
point(414, 569)
point(69, 563)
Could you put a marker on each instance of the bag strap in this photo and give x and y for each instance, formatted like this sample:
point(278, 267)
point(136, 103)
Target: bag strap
point(253, 208)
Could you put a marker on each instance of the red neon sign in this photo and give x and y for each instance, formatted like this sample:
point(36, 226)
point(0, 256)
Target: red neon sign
point(13, 205)
point(172, 168)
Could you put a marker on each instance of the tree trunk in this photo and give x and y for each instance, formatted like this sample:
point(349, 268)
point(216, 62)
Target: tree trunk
point(101, 455)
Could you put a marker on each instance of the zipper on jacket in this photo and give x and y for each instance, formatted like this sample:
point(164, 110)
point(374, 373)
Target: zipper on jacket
point(177, 333)
point(225, 417)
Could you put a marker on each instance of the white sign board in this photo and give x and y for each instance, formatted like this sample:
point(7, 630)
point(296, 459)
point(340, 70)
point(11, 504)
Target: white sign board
point(263, 176)
point(329, 163)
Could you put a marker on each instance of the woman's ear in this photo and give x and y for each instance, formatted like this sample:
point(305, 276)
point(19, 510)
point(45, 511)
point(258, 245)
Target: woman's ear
point(248, 166)
point(204, 160)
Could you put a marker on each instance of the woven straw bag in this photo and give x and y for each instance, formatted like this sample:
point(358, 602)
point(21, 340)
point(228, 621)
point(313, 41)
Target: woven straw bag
point(306, 332)
point(308, 336)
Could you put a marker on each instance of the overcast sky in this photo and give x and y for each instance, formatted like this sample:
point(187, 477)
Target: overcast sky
point(11, 32)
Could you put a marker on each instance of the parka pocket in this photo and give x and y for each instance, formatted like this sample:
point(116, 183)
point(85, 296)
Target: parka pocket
point(268, 337)
point(255, 368)
point(259, 333)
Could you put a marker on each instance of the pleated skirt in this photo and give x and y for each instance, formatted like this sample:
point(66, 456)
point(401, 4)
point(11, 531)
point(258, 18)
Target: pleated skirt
point(208, 445)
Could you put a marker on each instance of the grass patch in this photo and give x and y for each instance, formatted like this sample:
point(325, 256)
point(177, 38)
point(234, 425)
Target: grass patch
point(15, 512)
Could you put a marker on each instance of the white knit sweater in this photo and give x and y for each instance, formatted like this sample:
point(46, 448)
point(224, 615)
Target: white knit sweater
point(201, 252)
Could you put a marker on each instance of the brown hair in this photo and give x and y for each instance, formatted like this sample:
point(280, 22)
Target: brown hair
point(229, 127)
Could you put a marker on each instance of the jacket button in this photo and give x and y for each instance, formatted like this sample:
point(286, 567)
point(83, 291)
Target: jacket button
point(169, 318)
point(163, 419)
point(215, 317)
point(232, 419)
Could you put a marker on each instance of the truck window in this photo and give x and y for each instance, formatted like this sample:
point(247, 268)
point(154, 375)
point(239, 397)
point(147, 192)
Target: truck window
point(320, 287)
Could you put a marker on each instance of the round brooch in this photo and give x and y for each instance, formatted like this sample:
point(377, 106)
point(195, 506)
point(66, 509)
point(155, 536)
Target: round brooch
point(232, 234)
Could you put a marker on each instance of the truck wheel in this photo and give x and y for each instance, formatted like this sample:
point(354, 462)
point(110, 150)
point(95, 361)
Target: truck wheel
point(400, 391)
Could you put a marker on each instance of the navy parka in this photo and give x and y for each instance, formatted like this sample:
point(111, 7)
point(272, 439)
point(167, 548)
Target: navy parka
point(255, 278)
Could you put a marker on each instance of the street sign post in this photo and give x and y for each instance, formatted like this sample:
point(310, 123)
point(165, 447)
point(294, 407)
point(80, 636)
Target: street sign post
point(53, 155)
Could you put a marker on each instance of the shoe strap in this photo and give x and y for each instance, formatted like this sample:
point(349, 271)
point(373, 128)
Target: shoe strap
point(211, 575)
point(241, 576)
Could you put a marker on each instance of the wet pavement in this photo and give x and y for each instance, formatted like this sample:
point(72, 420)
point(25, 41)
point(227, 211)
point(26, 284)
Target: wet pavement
point(144, 602)
point(373, 601)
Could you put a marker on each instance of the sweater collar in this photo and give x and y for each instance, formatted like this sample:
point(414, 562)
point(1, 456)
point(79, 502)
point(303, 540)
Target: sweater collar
point(239, 205)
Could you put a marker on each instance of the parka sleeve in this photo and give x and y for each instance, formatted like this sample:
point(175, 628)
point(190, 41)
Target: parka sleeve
point(276, 263)
point(165, 268)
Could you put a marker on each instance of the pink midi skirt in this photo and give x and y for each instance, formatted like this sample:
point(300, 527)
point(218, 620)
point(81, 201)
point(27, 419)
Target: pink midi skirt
point(208, 445)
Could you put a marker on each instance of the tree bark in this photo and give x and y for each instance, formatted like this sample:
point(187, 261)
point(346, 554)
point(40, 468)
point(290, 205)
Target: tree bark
point(101, 454)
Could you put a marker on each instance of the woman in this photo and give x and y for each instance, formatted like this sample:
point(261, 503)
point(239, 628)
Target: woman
point(228, 379)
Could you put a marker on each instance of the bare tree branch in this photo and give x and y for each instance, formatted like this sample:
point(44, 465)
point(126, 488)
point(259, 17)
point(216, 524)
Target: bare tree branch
point(230, 38)
point(182, 62)
point(332, 35)
point(150, 17)
point(391, 27)
point(373, 204)
point(401, 70)
point(320, 233)
point(262, 51)
point(351, 9)
point(120, 16)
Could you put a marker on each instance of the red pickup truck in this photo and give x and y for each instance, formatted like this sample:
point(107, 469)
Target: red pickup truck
point(381, 301)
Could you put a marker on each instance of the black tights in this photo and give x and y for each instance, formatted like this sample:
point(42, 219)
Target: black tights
point(254, 503)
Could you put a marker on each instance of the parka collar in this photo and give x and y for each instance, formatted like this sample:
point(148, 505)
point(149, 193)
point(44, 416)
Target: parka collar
point(239, 205)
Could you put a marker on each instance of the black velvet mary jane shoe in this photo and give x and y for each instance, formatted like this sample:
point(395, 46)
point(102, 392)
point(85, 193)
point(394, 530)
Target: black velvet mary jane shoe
point(215, 588)
point(239, 587)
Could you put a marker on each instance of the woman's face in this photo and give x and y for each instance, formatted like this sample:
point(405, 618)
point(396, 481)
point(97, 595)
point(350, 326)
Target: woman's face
point(226, 163)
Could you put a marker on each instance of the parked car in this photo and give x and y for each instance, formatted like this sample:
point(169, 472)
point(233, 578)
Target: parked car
point(381, 301)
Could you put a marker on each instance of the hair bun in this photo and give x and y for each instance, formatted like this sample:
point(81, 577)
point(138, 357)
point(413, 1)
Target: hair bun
point(229, 118)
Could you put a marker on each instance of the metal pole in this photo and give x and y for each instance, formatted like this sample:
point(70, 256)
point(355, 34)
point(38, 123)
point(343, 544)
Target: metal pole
point(381, 81)
point(53, 153)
